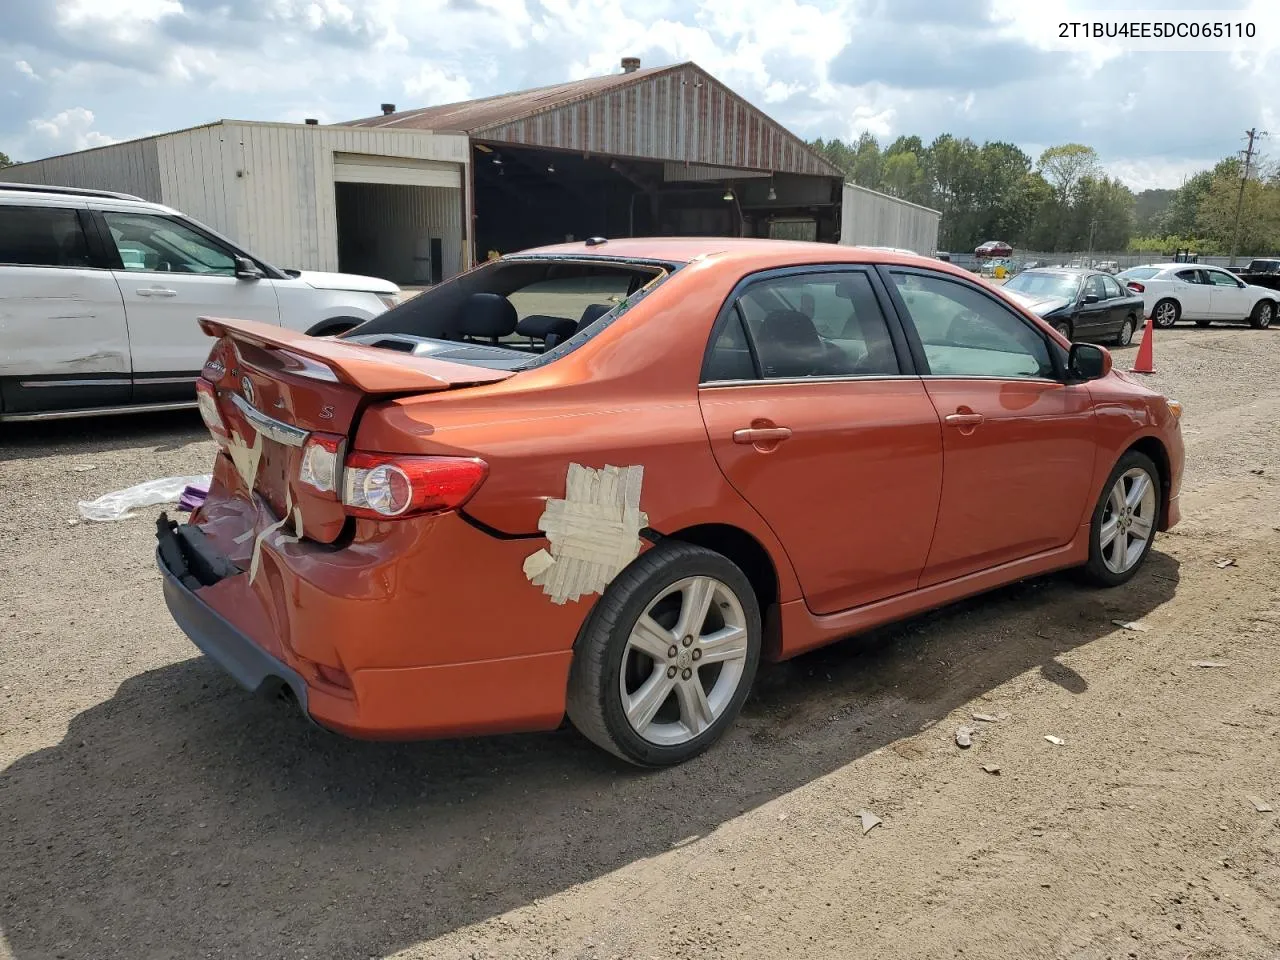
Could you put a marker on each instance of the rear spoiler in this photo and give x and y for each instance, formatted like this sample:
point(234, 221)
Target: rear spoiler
point(369, 369)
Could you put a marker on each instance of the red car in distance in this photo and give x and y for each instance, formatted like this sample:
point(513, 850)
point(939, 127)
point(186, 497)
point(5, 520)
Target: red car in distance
point(993, 248)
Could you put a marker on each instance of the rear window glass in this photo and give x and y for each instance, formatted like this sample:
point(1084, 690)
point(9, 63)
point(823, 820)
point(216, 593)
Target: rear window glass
point(570, 297)
point(1139, 273)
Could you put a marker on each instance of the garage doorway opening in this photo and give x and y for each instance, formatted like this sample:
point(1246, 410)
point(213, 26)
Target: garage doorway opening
point(410, 235)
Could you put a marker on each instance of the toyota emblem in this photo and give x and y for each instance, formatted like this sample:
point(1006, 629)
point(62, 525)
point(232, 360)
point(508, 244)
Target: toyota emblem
point(247, 388)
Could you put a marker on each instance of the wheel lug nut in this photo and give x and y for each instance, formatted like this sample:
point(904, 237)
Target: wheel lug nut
point(697, 654)
point(673, 651)
point(687, 641)
point(671, 673)
point(687, 673)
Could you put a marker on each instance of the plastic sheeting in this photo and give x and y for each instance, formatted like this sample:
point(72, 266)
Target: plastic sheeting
point(120, 504)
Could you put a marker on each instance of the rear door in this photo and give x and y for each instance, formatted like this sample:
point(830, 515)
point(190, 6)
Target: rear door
point(63, 340)
point(1018, 443)
point(170, 274)
point(817, 420)
point(1191, 289)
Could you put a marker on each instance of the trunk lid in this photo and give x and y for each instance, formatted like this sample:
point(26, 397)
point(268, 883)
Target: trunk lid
point(276, 389)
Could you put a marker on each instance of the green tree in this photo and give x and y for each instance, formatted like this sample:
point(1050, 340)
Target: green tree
point(903, 177)
point(866, 162)
point(5, 161)
point(1259, 214)
point(1062, 168)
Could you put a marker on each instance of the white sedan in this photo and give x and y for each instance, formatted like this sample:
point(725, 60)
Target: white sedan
point(1193, 291)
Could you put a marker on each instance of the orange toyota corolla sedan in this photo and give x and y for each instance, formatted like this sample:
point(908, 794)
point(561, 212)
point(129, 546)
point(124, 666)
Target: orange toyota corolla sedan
point(606, 479)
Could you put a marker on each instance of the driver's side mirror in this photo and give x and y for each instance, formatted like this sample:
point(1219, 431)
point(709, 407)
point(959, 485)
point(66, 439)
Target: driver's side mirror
point(246, 269)
point(1088, 361)
point(1090, 298)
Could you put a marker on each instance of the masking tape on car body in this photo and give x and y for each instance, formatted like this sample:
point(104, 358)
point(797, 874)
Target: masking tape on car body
point(592, 533)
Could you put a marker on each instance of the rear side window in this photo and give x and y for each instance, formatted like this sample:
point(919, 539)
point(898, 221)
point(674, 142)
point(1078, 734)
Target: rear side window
point(808, 325)
point(1112, 288)
point(1191, 276)
point(42, 237)
point(967, 334)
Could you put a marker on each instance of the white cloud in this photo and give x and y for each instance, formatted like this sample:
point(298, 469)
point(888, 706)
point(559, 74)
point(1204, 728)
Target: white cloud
point(431, 84)
point(25, 68)
point(68, 131)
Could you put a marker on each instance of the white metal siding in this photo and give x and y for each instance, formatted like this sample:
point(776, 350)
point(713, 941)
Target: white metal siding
point(130, 167)
point(384, 226)
point(870, 218)
point(193, 173)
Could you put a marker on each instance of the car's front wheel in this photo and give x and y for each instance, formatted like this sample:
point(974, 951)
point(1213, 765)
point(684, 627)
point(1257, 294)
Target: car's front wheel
point(1263, 313)
point(1124, 521)
point(666, 659)
point(1165, 313)
point(1063, 327)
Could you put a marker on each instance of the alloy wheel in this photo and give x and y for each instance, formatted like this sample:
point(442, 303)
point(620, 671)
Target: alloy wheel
point(1128, 520)
point(684, 661)
point(1166, 315)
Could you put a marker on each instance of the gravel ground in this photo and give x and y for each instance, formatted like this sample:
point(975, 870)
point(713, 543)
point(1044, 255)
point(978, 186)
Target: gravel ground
point(149, 809)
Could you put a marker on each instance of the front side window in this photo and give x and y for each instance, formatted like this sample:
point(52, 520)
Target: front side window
point(967, 334)
point(42, 237)
point(158, 244)
point(1220, 279)
point(810, 325)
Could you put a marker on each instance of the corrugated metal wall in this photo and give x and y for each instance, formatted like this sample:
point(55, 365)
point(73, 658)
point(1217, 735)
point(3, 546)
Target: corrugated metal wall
point(684, 115)
point(385, 227)
point(869, 218)
point(131, 167)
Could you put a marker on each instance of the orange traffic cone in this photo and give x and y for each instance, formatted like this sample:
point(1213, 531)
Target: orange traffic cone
point(1145, 362)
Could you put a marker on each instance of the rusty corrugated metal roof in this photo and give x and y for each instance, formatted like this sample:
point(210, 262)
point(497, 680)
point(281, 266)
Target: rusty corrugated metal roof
point(678, 113)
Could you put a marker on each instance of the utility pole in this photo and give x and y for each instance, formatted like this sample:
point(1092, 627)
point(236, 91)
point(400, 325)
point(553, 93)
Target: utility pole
point(1253, 134)
point(1093, 225)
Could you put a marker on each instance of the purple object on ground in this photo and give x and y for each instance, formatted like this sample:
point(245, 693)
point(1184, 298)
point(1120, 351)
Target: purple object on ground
point(192, 497)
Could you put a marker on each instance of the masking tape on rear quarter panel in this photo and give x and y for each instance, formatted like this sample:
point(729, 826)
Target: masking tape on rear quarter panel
point(592, 533)
point(290, 512)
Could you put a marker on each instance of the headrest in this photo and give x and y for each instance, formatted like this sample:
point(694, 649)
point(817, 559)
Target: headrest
point(790, 327)
point(593, 313)
point(487, 315)
point(539, 327)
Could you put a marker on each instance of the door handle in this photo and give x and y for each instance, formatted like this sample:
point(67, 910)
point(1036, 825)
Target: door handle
point(156, 292)
point(751, 435)
point(964, 419)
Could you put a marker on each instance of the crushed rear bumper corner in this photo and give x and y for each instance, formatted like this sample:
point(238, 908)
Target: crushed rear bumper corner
point(251, 666)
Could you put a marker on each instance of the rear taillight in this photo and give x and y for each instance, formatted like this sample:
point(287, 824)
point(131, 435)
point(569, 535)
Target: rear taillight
point(380, 486)
point(321, 464)
point(1135, 286)
point(207, 401)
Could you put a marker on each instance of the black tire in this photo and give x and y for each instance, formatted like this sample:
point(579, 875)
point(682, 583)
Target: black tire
point(1063, 327)
point(1127, 330)
point(1096, 570)
point(1163, 317)
point(333, 326)
point(1264, 312)
point(594, 701)
point(1203, 323)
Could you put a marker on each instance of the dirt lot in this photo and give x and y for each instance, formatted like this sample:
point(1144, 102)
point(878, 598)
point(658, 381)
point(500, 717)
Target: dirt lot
point(149, 809)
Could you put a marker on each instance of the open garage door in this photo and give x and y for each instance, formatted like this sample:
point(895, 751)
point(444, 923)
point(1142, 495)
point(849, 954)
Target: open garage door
point(364, 168)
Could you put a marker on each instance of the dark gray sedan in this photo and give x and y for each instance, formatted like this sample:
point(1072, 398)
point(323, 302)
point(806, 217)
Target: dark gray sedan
point(1080, 304)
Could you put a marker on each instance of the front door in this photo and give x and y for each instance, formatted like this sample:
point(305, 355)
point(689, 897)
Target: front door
point(1018, 444)
point(1228, 297)
point(170, 275)
point(814, 422)
point(1094, 317)
point(63, 340)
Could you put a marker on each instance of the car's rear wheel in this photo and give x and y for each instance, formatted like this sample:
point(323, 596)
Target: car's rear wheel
point(666, 659)
point(1125, 336)
point(1165, 313)
point(1263, 313)
point(1124, 520)
point(334, 326)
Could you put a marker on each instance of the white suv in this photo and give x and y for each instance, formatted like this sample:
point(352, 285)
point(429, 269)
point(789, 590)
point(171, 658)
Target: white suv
point(100, 292)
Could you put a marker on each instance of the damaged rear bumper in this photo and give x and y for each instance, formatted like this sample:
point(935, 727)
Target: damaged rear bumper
point(182, 560)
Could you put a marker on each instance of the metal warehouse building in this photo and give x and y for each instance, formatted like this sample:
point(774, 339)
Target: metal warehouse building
point(659, 151)
point(418, 195)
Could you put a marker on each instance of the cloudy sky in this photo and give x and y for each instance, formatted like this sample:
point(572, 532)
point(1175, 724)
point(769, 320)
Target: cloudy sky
point(80, 73)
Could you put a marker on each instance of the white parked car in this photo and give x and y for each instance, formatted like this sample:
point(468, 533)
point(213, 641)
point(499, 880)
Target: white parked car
point(100, 292)
point(1196, 291)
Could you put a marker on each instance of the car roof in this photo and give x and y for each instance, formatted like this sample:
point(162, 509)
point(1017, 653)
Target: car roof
point(686, 249)
point(23, 193)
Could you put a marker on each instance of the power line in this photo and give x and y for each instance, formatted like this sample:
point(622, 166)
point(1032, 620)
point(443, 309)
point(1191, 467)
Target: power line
point(1253, 134)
